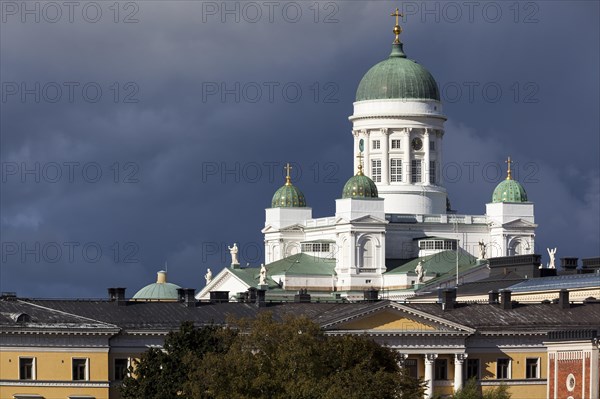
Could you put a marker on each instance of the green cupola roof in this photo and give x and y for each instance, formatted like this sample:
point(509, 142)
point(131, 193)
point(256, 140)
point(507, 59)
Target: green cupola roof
point(397, 77)
point(360, 186)
point(288, 195)
point(159, 291)
point(509, 190)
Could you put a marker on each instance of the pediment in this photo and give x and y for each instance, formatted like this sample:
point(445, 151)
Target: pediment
point(225, 280)
point(293, 227)
point(393, 318)
point(519, 223)
point(368, 219)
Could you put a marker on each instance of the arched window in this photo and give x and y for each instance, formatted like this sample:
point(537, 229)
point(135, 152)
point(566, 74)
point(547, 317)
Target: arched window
point(367, 254)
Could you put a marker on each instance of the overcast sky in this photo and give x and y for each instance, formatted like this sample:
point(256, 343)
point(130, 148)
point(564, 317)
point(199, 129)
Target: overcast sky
point(139, 133)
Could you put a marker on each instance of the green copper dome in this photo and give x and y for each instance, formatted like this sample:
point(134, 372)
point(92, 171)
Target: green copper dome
point(288, 196)
point(159, 291)
point(397, 78)
point(360, 186)
point(509, 191)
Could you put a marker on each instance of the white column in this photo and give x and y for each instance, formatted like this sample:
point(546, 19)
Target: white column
point(406, 148)
point(426, 157)
point(367, 154)
point(429, 362)
point(385, 158)
point(439, 160)
point(459, 359)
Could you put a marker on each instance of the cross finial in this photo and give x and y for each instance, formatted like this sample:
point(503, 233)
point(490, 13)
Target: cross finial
point(397, 28)
point(288, 179)
point(360, 165)
point(508, 173)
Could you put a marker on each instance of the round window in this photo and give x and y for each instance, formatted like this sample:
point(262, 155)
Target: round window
point(571, 382)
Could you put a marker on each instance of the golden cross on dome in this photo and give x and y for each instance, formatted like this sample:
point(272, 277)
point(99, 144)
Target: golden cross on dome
point(397, 28)
point(288, 180)
point(508, 174)
point(360, 156)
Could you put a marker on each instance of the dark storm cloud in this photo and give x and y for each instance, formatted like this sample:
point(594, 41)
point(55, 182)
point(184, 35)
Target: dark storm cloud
point(184, 172)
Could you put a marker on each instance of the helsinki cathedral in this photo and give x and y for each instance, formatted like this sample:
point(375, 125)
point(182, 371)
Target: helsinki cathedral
point(393, 229)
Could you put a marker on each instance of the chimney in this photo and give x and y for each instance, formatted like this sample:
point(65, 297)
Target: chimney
point(260, 298)
point(187, 296)
point(219, 296)
point(117, 295)
point(448, 298)
point(371, 295)
point(563, 299)
point(493, 297)
point(506, 299)
point(161, 277)
point(302, 296)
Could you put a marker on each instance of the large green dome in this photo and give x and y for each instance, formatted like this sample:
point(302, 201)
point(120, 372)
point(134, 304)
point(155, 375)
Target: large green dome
point(397, 78)
point(159, 291)
point(288, 196)
point(509, 191)
point(360, 186)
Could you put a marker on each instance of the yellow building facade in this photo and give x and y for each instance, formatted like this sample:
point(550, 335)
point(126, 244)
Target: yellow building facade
point(81, 349)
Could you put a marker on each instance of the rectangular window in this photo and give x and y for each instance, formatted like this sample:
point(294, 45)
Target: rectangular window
point(395, 170)
point(121, 369)
point(26, 368)
point(503, 368)
point(80, 369)
point(432, 146)
point(472, 369)
point(376, 170)
point(396, 144)
point(411, 366)
point(532, 368)
point(376, 144)
point(441, 369)
point(415, 171)
point(439, 244)
point(432, 172)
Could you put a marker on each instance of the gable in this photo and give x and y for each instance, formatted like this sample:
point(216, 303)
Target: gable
point(394, 318)
point(519, 223)
point(387, 320)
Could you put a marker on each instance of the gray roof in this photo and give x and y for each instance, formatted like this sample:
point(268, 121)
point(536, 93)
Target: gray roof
point(558, 282)
point(166, 316)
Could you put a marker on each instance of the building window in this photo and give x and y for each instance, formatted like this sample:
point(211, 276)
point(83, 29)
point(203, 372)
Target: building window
point(315, 247)
point(532, 368)
point(432, 172)
point(80, 369)
point(376, 144)
point(396, 144)
point(411, 366)
point(415, 171)
point(121, 369)
point(376, 170)
point(432, 145)
point(26, 368)
point(503, 368)
point(441, 369)
point(395, 170)
point(472, 369)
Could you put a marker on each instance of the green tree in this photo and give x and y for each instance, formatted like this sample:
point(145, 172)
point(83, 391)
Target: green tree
point(159, 374)
point(471, 390)
point(295, 359)
point(264, 358)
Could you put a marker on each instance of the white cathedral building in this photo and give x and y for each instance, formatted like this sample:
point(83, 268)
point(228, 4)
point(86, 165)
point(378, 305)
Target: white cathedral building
point(393, 229)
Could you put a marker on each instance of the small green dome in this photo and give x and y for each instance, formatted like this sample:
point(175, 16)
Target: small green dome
point(288, 196)
point(397, 78)
point(509, 191)
point(159, 291)
point(360, 186)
